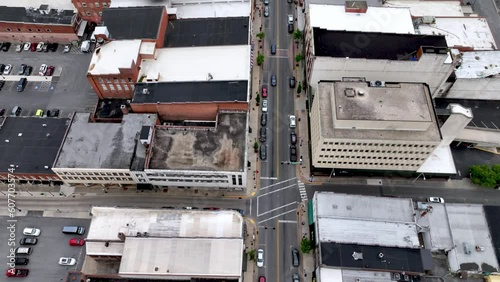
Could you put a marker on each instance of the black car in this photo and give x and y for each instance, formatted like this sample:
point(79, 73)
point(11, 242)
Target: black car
point(291, 80)
point(22, 261)
point(55, 112)
point(6, 46)
point(273, 80)
point(48, 113)
point(53, 47)
point(2, 67)
point(22, 69)
point(28, 241)
point(273, 49)
point(293, 153)
point(295, 257)
point(2, 83)
point(28, 70)
point(2, 112)
point(263, 152)
point(262, 137)
point(293, 138)
point(263, 119)
point(290, 28)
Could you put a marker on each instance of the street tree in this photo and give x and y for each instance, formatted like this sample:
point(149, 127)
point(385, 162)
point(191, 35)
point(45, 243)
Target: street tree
point(297, 35)
point(260, 58)
point(485, 175)
point(260, 35)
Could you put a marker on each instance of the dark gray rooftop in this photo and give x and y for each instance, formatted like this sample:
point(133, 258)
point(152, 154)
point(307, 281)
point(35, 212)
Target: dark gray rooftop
point(207, 32)
point(133, 22)
point(31, 15)
point(374, 45)
point(220, 150)
point(31, 146)
point(191, 92)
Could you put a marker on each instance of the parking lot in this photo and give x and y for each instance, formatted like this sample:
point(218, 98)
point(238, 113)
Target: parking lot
point(52, 244)
point(486, 113)
point(68, 90)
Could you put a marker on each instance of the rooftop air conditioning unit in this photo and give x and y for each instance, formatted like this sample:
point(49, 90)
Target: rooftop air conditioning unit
point(145, 91)
point(377, 83)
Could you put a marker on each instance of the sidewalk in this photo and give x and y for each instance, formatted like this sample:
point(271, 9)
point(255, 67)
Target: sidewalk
point(250, 239)
point(308, 262)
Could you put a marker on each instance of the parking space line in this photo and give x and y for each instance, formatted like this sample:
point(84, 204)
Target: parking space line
point(494, 125)
point(484, 124)
point(473, 123)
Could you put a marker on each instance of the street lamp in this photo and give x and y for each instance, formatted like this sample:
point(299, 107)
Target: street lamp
point(421, 174)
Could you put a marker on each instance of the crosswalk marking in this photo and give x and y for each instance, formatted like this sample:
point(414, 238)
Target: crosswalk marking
point(302, 191)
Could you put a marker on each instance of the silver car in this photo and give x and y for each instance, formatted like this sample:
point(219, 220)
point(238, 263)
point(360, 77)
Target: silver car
point(264, 106)
point(266, 11)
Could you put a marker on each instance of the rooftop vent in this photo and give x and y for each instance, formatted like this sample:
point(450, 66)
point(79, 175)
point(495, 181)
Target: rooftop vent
point(357, 256)
point(361, 92)
point(350, 92)
point(377, 83)
point(380, 255)
point(145, 91)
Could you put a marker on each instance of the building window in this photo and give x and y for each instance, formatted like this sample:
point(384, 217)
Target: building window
point(104, 4)
point(96, 4)
point(8, 29)
point(48, 30)
point(129, 79)
point(100, 80)
point(84, 4)
point(88, 14)
point(30, 30)
point(100, 14)
point(118, 87)
point(125, 87)
point(39, 30)
point(103, 86)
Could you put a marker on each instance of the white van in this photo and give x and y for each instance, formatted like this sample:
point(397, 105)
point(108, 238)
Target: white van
point(85, 46)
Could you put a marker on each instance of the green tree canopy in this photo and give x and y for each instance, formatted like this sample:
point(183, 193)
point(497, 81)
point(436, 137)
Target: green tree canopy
point(260, 59)
point(297, 34)
point(485, 175)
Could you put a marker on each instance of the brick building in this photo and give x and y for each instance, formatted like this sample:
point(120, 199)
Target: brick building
point(44, 23)
point(91, 10)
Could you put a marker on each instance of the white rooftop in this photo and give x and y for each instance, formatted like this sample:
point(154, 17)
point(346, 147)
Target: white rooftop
point(147, 48)
point(439, 232)
point(376, 19)
point(213, 10)
point(468, 32)
point(327, 274)
point(53, 4)
point(114, 55)
point(155, 257)
point(364, 276)
point(196, 63)
point(108, 222)
point(440, 161)
point(469, 229)
point(335, 205)
point(429, 8)
point(479, 64)
point(368, 232)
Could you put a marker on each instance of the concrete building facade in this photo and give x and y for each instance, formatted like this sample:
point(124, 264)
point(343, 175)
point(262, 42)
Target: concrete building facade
point(356, 126)
point(91, 10)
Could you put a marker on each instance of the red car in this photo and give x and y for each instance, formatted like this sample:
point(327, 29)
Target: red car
point(33, 48)
point(262, 279)
point(264, 92)
point(50, 71)
point(76, 242)
point(15, 272)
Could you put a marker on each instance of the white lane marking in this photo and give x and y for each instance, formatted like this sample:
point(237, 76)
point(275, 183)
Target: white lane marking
point(281, 214)
point(269, 211)
point(269, 178)
point(278, 183)
point(277, 190)
point(302, 191)
point(287, 221)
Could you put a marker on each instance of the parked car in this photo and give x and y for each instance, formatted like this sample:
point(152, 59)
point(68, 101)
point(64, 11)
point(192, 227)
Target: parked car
point(67, 48)
point(290, 28)
point(21, 84)
point(39, 113)
point(2, 67)
point(293, 153)
point(50, 71)
point(293, 138)
point(22, 69)
point(263, 152)
point(15, 272)
point(273, 80)
point(291, 81)
point(76, 242)
point(55, 112)
point(43, 69)
point(262, 136)
point(19, 48)
point(27, 46)
point(260, 258)
point(266, 11)
point(295, 257)
point(296, 278)
point(263, 119)
point(22, 261)
point(262, 279)
point(273, 49)
point(67, 261)
point(2, 112)
point(2, 83)
point(266, 2)
point(28, 241)
point(435, 200)
point(53, 47)
point(264, 92)
point(292, 121)
point(7, 69)
point(39, 47)
point(33, 47)
point(46, 48)
point(28, 71)
point(6, 46)
point(264, 105)
point(32, 231)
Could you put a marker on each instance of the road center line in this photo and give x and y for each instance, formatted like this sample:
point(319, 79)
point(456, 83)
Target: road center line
point(286, 187)
point(269, 211)
point(287, 221)
point(281, 214)
point(266, 187)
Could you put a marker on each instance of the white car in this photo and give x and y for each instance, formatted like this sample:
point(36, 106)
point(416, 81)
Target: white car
point(436, 200)
point(67, 261)
point(39, 47)
point(264, 106)
point(292, 121)
point(7, 69)
point(32, 231)
point(67, 48)
point(19, 48)
point(260, 258)
point(27, 46)
point(43, 69)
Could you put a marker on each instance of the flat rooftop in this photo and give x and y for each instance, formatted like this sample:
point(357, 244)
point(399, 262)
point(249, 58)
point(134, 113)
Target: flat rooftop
point(191, 92)
point(31, 143)
point(220, 150)
point(462, 32)
point(114, 55)
point(219, 63)
point(479, 64)
point(364, 276)
point(213, 10)
point(439, 228)
point(53, 4)
point(207, 32)
point(331, 17)
point(469, 229)
point(493, 218)
point(370, 3)
point(440, 161)
point(368, 232)
point(404, 112)
point(429, 8)
point(182, 257)
point(395, 259)
point(334, 205)
point(388, 46)
point(102, 145)
point(163, 223)
point(52, 15)
point(133, 22)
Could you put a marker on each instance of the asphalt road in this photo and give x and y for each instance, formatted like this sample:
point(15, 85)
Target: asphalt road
point(275, 206)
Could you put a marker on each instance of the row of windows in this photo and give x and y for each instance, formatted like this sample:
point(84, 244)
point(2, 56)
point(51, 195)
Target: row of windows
point(239, 180)
point(118, 87)
point(371, 157)
point(95, 178)
point(76, 173)
point(188, 180)
point(31, 30)
point(370, 164)
point(115, 80)
point(373, 151)
point(90, 14)
point(91, 5)
point(215, 176)
point(377, 144)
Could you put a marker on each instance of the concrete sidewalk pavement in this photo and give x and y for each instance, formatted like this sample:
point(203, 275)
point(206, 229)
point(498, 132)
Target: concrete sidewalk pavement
point(308, 260)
